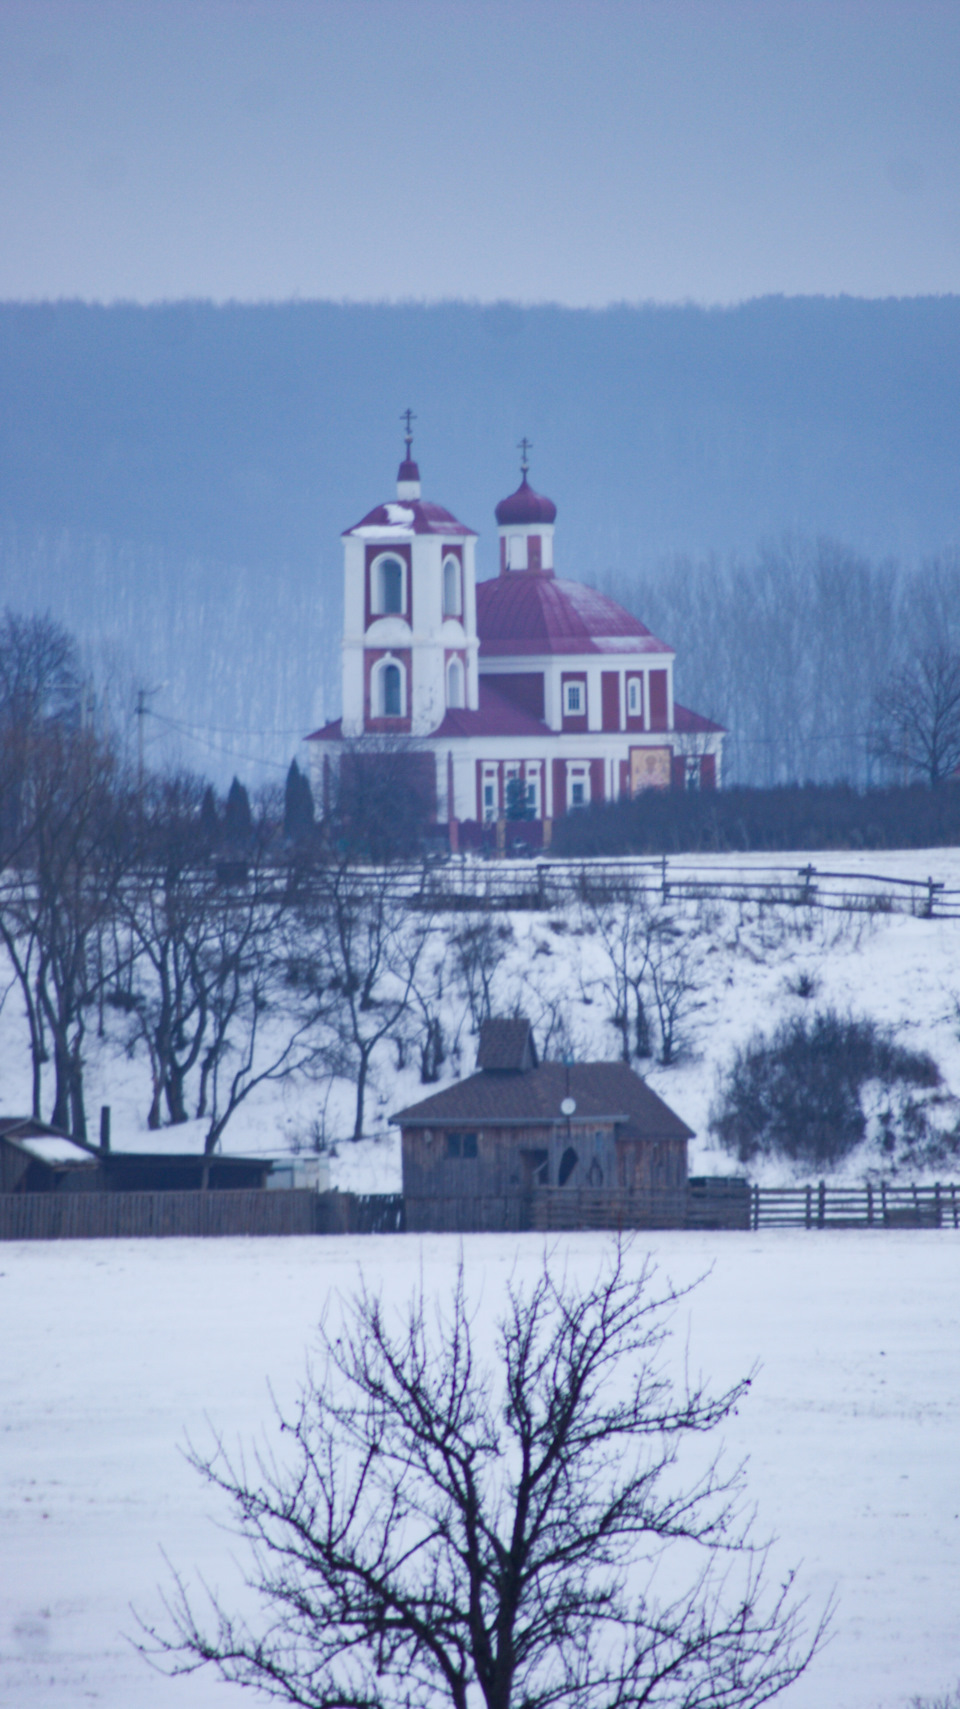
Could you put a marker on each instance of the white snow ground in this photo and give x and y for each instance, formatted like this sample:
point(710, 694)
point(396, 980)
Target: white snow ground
point(894, 968)
point(115, 1351)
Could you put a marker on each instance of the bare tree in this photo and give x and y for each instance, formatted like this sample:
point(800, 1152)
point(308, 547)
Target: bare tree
point(478, 947)
point(450, 1528)
point(74, 846)
point(260, 1025)
point(169, 912)
point(40, 675)
point(674, 967)
point(622, 923)
point(918, 716)
point(358, 961)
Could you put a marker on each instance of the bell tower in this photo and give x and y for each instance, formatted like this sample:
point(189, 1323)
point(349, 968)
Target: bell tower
point(525, 524)
point(410, 623)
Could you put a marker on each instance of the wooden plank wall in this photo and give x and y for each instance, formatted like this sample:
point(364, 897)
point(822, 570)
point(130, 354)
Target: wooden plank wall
point(105, 1216)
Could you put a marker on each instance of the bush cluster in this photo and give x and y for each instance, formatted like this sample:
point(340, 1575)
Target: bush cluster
point(796, 816)
point(800, 1093)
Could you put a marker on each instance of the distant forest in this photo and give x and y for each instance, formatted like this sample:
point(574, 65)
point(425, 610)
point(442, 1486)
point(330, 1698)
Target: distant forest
point(773, 488)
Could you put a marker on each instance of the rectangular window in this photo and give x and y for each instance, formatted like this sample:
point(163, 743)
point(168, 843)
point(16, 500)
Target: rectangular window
point(461, 1145)
point(634, 697)
point(576, 795)
point(573, 699)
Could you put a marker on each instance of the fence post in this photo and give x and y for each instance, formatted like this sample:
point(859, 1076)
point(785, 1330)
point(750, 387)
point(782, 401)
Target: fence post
point(664, 886)
point(755, 1207)
point(936, 1203)
point(883, 1201)
point(821, 1204)
point(869, 1204)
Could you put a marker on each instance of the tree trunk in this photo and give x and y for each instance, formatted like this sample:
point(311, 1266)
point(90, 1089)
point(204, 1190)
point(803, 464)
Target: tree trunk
point(176, 1094)
point(361, 1094)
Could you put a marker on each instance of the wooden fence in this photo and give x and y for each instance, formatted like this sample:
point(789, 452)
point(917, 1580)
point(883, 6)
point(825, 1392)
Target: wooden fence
point(547, 884)
point(706, 1203)
point(869, 1206)
point(100, 1216)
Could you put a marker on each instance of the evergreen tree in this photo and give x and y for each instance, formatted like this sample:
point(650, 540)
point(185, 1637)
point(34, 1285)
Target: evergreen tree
point(518, 803)
point(209, 817)
point(237, 818)
point(298, 820)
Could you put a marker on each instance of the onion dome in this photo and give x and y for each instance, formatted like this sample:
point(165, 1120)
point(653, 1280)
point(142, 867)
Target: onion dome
point(524, 508)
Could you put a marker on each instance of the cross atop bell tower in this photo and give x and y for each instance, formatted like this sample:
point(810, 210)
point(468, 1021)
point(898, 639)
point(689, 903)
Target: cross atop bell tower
point(408, 475)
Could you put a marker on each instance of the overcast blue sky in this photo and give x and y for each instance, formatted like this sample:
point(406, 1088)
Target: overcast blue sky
point(575, 151)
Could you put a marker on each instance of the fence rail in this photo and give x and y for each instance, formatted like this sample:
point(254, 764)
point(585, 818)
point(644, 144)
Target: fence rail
point(547, 884)
point(869, 1206)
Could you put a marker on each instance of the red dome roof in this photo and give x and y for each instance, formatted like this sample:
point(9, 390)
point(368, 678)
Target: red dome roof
point(520, 613)
point(525, 506)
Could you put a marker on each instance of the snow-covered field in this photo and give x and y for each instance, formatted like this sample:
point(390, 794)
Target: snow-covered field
point(891, 967)
point(114, 1351)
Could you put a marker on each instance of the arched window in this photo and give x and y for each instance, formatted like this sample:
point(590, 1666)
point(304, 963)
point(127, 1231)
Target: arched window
point(451, 588)
point(388, 587)
point(455, 683)
point(390, 691)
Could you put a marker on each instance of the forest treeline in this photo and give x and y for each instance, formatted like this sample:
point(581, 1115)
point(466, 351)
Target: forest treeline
point(792, 650)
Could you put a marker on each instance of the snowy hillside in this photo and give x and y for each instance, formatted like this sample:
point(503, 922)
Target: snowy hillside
point(746, 966)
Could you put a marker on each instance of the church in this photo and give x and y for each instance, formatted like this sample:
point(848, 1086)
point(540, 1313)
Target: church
point(523, 697)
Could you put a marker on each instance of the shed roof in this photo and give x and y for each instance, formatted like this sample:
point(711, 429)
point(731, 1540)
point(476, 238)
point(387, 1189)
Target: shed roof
point(603, 1091)
point(45, 1143)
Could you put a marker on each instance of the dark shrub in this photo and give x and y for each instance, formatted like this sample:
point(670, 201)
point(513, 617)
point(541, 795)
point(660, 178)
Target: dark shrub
point(799, 1093)
point(794, 816)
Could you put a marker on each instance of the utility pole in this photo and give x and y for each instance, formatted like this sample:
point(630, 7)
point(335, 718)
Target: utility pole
point(143, 695)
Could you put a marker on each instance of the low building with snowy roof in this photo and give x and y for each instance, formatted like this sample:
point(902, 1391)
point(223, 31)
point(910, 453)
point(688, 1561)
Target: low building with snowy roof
point(37, 1158)
point(525, 696)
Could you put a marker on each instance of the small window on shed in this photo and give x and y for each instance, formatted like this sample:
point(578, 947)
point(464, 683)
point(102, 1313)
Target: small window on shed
point(469, 1145)
point(453, 1145)
point(568, 1163)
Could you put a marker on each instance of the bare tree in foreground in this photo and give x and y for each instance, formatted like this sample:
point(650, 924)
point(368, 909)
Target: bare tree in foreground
point(450, 1526)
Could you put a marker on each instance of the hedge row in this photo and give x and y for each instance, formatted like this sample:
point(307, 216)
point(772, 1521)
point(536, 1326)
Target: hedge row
point(799, 816)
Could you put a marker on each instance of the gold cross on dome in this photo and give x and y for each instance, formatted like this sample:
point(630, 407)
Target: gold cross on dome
point(408, 417)
point(525, 447)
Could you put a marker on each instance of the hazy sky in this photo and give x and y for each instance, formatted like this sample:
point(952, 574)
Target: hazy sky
point(578, 151)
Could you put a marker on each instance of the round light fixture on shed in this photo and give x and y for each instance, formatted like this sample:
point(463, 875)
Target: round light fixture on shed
point(568, 1107)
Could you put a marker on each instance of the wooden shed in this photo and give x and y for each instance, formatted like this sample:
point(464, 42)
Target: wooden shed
point(37, 1158)
point(517, 1127)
